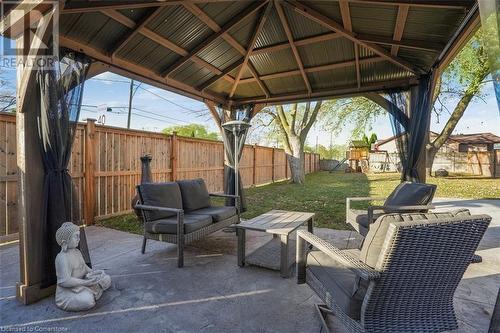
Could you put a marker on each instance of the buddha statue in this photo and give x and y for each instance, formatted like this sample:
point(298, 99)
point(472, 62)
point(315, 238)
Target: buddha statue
point(78, 286)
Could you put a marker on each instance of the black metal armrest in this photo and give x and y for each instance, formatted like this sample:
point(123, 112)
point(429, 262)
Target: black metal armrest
point(223, 195)
point(354, 264)
point(349, 200)
point(161, 209)
point(397, 209)
point(180, 219)
point(237, 199)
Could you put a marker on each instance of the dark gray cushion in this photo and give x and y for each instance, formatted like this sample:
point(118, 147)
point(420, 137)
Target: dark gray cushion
point(218, 213)
point(411, 194)
point(161, 195)
point(192, 223)
point(362, 220)
point(340, 283)
point(194, 194)
point(374, 240)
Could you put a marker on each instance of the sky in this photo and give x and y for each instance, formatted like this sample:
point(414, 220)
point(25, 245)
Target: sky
point(154, 109)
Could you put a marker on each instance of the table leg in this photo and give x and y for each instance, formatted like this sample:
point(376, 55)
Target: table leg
point(284, 262)
point(241, 246)
point(310, 228)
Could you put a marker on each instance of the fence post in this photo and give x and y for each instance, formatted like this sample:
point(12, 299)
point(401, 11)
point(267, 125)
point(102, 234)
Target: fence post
point(286, 166)
point(89, 212)
point(272, 174)
point(254, 164)
point(173, 155)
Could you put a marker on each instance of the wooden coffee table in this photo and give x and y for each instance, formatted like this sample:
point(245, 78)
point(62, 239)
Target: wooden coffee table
point(278, 253)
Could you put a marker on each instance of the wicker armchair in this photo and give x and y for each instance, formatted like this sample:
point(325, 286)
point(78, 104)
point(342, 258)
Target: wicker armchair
point(181, 212)
point(407, 197)
point(404, 277)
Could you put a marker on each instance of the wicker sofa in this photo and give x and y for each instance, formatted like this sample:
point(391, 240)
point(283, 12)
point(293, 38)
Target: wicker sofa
point(181, 212)
point(406, 197)
point(404, 277)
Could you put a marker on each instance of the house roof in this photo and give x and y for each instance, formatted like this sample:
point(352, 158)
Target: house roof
point(237, 52)
point(461, 138)
point(476, 138)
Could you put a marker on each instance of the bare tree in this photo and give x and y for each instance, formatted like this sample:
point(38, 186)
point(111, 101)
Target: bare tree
point(293, 127)
point(7, 95)
point(461, 82)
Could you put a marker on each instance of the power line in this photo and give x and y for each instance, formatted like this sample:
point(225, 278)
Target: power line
point(138, 109)
point(87, 106)
point(153, 93)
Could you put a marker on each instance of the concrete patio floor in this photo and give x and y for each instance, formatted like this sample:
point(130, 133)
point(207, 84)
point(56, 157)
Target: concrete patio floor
point(212, 294)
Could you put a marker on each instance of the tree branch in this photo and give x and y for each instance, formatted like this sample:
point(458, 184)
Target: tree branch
point(311, 121)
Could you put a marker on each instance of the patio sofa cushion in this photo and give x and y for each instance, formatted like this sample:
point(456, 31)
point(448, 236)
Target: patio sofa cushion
point(374, 240)
point(194, 194)
point(411, 194)
point(192, 223)
point(218, 213)
point(161, 195)
point(339, 282)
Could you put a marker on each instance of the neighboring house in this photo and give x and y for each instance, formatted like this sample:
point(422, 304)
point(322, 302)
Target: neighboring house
point(476, 153)
point(455, 143)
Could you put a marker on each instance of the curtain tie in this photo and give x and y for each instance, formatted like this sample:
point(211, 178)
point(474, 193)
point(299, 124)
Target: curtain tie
point(61, 170)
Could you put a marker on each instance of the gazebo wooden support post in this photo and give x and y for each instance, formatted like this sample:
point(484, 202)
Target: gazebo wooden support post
point(30, 172)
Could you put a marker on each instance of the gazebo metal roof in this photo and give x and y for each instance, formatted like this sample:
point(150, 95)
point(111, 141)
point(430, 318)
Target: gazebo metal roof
point(236, 52)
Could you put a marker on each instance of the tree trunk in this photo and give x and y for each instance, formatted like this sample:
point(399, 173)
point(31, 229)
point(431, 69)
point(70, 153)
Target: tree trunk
point(429, 159)
point(296, 161)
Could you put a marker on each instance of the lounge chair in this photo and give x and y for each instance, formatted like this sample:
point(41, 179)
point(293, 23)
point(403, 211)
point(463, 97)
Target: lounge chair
point(406, 197)
point(181, 212)
point(404, 277)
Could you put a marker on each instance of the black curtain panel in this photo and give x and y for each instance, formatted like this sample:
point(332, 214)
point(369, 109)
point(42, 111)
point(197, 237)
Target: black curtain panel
point(60, 90)
point(243, 114)
point(420, 107)
point(410, 119)
point(398, 114)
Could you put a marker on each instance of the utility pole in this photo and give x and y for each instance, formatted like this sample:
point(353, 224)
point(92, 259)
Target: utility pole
point(130, 103)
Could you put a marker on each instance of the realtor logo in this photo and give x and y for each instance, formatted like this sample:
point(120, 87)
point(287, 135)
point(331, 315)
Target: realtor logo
point(31, 33)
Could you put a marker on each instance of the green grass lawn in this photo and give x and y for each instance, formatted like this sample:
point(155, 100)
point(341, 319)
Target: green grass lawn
point(324, 193)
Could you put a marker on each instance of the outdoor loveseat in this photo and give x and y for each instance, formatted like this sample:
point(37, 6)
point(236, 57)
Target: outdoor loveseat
point(181, 212)
point(407, 197)
point(404, 277)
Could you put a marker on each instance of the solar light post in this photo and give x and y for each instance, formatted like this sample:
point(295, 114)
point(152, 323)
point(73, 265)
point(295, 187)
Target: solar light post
point(237, 128)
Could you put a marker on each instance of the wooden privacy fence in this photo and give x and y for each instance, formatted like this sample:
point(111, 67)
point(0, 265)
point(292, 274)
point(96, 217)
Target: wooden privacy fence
point(105, 167)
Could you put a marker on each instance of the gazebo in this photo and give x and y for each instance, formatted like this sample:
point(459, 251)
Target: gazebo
point(237, 57)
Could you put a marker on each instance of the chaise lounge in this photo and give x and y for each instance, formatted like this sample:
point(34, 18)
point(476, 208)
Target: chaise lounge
point(404, 277)
point(181, 212)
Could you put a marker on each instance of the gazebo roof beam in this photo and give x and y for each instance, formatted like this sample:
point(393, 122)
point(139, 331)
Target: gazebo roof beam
point(145, 20)
point(107, 4)
point(345, 12)
point(117, 16)
point(411, 44)
point(216, 78)
point(332, 25)
point(315, 69)
point(289, 35)
point(208, 41)
point(458, 4)
point(139, 70)
point(399, 27)
point(99, 5)
point(408, 43)
point(202, 16)
point(246, 58)
point(341, 91)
